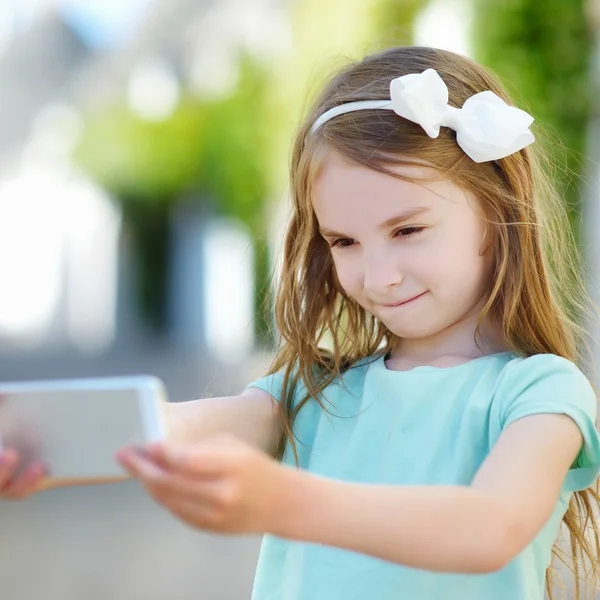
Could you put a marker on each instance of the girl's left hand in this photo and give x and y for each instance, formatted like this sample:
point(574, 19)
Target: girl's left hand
point(221, 485)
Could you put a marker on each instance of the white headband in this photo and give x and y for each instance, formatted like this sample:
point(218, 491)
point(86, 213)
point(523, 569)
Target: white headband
point(486, 127)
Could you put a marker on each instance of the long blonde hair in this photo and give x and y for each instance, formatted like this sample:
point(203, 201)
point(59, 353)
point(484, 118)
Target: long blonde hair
point(538, 293)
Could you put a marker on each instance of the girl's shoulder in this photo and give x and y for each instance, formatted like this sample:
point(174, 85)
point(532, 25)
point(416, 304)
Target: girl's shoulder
point(520, 373)
point(545, 383)
point(550, 384)
point(542, 382)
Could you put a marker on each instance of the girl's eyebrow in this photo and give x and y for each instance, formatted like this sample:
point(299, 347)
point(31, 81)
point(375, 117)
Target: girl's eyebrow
point(409, 213)
point(404, 216)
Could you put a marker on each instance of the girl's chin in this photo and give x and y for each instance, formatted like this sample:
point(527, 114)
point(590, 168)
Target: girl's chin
point(412, 331)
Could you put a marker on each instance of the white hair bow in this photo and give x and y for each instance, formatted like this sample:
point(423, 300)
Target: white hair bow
point(486, 127)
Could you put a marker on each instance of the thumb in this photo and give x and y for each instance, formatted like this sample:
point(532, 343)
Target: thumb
point(207, 459)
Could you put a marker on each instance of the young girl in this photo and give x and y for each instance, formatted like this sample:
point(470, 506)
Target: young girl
point(427, 383)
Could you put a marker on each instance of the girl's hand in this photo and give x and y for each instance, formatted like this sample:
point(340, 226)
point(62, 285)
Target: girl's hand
point(15, 485)
point(221, 485)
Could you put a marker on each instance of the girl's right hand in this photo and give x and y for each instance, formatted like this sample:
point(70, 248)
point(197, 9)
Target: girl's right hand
point(19, 486)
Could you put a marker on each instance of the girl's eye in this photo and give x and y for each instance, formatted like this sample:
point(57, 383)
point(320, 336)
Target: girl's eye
point(408, 231)
point(405, 232)
point(341, 243)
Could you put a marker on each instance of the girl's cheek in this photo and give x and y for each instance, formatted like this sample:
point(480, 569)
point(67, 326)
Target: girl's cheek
point(348, 275)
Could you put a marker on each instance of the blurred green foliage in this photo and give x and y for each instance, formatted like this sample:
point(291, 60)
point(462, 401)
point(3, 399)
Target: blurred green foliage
point(133, 157)
point(215, 148)
point(211, 151)
point(542, 51)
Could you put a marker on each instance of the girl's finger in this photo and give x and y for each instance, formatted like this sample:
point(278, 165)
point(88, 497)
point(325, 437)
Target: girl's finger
point(8, 464)
point(26, 483)
point(138, 464)
point(197, 514)
point(206, 460)
point(164, 485)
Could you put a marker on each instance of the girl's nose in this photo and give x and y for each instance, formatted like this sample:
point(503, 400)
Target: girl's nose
point(381, 274)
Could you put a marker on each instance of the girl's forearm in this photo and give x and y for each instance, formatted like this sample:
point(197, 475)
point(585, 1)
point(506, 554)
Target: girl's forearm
point(250, 416)
point(456, 529)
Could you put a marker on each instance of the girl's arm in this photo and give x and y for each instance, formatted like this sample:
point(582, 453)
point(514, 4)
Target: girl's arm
point(225, 485)
point(474, 529)
point(251, 416)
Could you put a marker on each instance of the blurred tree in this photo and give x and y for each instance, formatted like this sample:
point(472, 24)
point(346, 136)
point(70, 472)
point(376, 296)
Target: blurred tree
point(212, 151)
point(542, 50)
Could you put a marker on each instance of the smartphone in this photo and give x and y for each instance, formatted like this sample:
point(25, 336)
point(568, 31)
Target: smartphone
point(75, 427)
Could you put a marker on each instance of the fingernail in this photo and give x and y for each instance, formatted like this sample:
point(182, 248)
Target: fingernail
point(121, 455)
point(141, 451)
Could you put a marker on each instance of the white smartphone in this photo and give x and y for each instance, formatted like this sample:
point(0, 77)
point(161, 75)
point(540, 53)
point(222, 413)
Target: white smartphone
point(75, 427)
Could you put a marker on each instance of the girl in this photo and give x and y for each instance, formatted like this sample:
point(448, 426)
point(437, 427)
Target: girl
point(427, 383)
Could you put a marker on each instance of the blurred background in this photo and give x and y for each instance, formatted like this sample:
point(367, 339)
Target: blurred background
point(143, 156)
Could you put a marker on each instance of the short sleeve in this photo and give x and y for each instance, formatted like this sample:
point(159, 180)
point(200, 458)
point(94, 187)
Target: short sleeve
point(273, 384)
point(546, 383)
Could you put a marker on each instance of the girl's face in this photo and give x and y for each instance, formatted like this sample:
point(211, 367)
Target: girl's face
point(410, 254)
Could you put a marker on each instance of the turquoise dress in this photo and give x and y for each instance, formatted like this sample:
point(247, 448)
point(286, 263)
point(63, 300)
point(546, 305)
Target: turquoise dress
point(425, 426)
